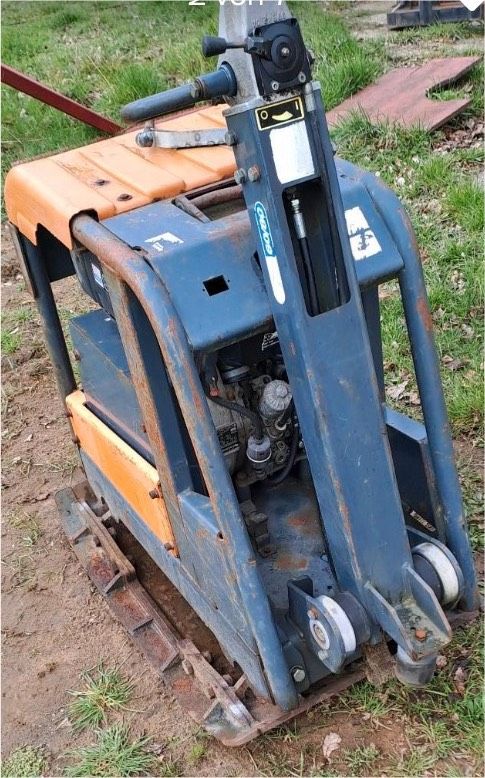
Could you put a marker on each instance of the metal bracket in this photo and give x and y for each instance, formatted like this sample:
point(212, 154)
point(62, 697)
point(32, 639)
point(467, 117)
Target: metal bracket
point(180, 139)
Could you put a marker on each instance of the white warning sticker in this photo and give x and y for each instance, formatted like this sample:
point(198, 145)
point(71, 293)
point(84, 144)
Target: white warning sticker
point(291, 152)
point(97, 275)
point(363, 241)
point(157, 241)
point(275, 278)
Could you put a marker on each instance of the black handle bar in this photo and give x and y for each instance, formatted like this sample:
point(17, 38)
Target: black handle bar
point(219, 83)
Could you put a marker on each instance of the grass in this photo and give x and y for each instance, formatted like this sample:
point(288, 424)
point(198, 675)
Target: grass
point(113, 754)
point(10, 341)
point(442, 721)
point(24, 762)
point(13, 328)
point(446, 209)
point(62, 48)
point(27, 526)
point(359, 760)
point(21, 560)
point(105, 690)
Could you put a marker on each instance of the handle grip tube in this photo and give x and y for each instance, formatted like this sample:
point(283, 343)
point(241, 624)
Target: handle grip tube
point(219, 83)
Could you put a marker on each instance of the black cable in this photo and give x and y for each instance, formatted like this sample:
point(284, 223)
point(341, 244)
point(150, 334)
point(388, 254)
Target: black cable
point(252, 415)
point(278, 479)
point(310, 276)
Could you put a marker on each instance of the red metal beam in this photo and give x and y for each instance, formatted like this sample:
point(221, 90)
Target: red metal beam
point(45, 94)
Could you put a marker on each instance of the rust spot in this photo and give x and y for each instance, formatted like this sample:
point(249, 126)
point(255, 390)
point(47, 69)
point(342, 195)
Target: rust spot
point(290, 562)
point(297, 521)
point(182, 684)
point(424, 314)
point(306, 524)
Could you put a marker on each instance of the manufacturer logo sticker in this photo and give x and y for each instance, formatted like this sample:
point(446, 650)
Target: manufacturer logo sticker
point(269, 253)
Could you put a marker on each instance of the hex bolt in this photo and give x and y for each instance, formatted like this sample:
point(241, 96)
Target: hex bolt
point(228, 679)
point(230, 139)
point(77, 355)
point(312, 613)
point(421, 634)
point(298, 674)
point(254, 174)
point(187, 667)
point(240, 176)
point(153, 493)
point(285, 51)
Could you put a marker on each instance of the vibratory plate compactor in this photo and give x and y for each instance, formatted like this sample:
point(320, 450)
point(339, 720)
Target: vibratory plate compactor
point(266, 528)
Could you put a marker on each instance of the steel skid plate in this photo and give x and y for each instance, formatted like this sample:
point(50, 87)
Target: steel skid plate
point(224, 706)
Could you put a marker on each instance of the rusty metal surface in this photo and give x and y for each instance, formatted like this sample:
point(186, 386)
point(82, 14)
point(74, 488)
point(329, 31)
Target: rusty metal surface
point(400, 96)
point(217, 197)
point(238, 568)
point(45, 94)
point(223, 705)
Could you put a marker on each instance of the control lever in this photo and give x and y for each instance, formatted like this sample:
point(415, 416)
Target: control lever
point(219, 83)
point(212, 46)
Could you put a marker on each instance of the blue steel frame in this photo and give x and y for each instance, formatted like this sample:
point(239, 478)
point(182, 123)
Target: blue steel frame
point(160, 357)
point(329, 363)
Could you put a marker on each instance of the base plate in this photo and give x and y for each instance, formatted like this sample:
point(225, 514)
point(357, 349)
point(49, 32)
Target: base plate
point(226, 709)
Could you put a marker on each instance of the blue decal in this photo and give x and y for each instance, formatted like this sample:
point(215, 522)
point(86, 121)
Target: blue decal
point(264, 230)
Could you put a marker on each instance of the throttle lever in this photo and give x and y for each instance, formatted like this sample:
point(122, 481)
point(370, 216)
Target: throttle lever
point(212, 46)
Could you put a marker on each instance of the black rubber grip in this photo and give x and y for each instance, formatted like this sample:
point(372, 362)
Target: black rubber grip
point(160, 104)
point(219, 83)
point(212, 46)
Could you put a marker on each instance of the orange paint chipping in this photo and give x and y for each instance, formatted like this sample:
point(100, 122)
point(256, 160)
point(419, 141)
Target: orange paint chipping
point(131, 475)
point(52, 190)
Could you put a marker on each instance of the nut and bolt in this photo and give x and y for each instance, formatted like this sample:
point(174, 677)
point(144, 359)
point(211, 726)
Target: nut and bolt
point(421, 634)
point(187, 667)
point(154, 494)
point(275, 86)
point(301, 78)
point(298, 674)
point(254, 174)
point(230, 139)
point(227, 678)
point(240, 176)
point(285, 51)
point(312, 613)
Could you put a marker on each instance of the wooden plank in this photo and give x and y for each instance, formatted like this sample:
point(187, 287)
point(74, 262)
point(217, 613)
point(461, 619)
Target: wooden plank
point(401, 96)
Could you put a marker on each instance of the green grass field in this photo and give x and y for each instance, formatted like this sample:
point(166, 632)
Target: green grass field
point(105, 54)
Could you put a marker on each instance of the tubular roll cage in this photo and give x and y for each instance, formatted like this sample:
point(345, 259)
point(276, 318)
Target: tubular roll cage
point(136, 290)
